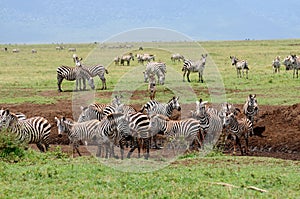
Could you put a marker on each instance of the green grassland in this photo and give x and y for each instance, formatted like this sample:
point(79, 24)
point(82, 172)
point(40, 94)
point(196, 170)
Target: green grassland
point(25, 77)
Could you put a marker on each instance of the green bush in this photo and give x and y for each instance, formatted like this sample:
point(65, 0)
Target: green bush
point(11, 149)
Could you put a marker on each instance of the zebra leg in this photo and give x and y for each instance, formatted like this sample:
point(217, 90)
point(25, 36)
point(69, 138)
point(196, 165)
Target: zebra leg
point(76, 147)
point(40, 147)
point(103, 83)
point(246, 148)
point(147, 148)
point(184, 73)
point(84, 84)
point(59, 81)
point(188, 76)
point(121, 149)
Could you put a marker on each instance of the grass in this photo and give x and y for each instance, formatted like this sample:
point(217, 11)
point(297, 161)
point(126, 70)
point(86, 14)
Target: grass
point(52, 175)
point(36, 73)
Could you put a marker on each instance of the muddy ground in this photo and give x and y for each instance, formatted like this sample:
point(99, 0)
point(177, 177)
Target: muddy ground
point(277, 128)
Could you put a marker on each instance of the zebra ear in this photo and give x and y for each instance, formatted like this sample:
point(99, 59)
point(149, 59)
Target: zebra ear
point(6, 112)
point(200, 100)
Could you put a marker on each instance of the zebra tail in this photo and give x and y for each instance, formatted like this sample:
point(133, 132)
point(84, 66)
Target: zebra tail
point(106, 71)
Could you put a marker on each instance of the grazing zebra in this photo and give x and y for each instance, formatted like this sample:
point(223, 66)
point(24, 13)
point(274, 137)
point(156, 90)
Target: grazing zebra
point(209, 119)
point(187, 129)
point(152, 87)
point(177, 57)
point(85, 131)
point(160, 108)
point(287, 62)
point(296, 64)
point(114, 128)
point(72, 49)
point(240, 65)
point(127, 58)
point(33, 51)
point(276, 65)
point(250, 108)
point(146, 57)
point(139, 126)
point(59, 48)
point(71, 74)
point(156, 68)
point(238, 129)
point(35, 130)
point(194, 66)
point(15, 50)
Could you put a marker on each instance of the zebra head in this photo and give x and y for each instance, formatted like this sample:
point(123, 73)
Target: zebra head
point(116, 101)
point(233, 60)
point(228, 119)
point(200, 107)
point(203, 59)
point(63, 125)
point(252, 102)
point(7, 119)
point(83, 115)
point(175, 103)
point(131, 56)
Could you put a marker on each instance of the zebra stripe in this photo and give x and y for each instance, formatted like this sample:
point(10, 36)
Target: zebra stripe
point(71, 74)
point(20, 116)
point(84, 131)
point(177, 57)
point(240, 65)
point(295, 60)
point(209, 119)
point(238, 129)
point(114, 128)
point(287, 62)
point(250, 108)
point(194, 66)
point(35, 130)
point(97, 70)
point(276, 65)
point(139, 125)
point(174, 130)
point(160, 108)
point(127, 58)
point(156, 68)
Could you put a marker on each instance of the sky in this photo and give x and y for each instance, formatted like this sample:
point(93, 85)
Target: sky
point(81, 21)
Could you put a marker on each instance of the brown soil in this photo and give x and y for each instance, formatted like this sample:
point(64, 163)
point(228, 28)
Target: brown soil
point(277, 128)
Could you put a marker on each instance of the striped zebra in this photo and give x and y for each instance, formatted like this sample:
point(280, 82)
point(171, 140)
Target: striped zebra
point(250, 108)
point(126, 58)
point(187, 129)
point(276, 65)
point(238, 129)
point(114, 128)
point(139, 126)
point(295, 60)
point(194, 66)
point(147, 58)
point(85, 131)
point(161, 108)
point(177, 57)
point(71, 74)
point(209, 119)
point(117, 60)
point(156, 68)
point(240, 66)
point(35, 130)
point(288, 63)
point(20, 116)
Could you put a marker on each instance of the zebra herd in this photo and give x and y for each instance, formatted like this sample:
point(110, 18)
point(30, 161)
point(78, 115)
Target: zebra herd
point(119, 124)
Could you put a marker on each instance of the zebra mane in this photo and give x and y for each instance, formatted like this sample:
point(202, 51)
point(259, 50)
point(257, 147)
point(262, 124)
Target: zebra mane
point(111, 116)
point(163, 117)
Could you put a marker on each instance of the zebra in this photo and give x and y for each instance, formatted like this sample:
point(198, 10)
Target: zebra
point(34, 130)
point(117, 60)
point(177, 57)
point(296, 64)
point(114, 128)
point(72, 49)
point(276, 65)
point(161, 108)
point(188, 129)
point(139, 126)
point(146, 57)
point(152, 87)
point(71, 74)
point(238, 129)
point(209, 119)
point(155, 68)
point(127, 58)
point(250, 108)
point(15, 50)
point(240, 65)
point(33, 51)
point(194, 66)
point(85, 131)
point(287, 62)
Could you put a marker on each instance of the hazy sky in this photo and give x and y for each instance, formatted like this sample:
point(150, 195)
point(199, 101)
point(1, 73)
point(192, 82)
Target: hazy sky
point(47, 21)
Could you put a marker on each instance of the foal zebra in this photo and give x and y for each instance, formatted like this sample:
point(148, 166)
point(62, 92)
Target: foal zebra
point(35, 130)
point(250, 108)
point(126, 58)
point(238, 129)
point(155, 68)
point(240, 65)
point(71, 74)
point(161, 108)
point(187, 129)
point(194, 66)
point(276, 65)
